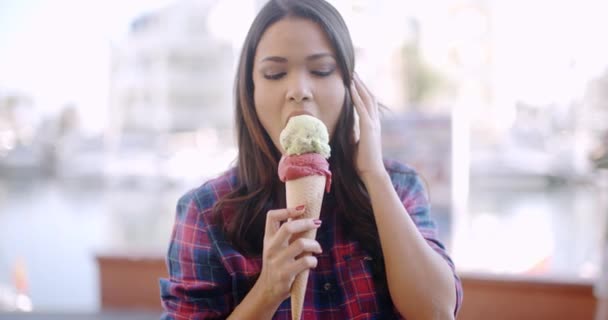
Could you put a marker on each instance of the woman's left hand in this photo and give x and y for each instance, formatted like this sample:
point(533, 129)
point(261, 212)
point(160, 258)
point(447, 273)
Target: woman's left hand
point(368, 161)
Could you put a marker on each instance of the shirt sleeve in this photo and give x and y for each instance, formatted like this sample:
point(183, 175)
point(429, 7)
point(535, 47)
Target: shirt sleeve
point(198, 286)
point(414, 196)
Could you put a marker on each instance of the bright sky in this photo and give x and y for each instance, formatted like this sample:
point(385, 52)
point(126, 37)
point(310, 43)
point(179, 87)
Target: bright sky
point(58, 50)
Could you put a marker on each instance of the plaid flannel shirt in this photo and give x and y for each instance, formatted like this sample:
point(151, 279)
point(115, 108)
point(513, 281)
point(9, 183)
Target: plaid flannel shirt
point(208, 278)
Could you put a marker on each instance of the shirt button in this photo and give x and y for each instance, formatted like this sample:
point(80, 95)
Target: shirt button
point(327, 286)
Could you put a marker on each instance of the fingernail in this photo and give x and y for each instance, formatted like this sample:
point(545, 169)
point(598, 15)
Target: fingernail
point(300, 208)
point(317, 222)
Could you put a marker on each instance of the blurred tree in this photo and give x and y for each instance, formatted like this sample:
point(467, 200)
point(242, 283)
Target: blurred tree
point(422, 81)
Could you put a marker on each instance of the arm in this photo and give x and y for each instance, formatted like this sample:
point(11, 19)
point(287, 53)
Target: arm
point(420, 282)
point(255, 306)
point(424, 289)
point(199, 286)
point(281, 262)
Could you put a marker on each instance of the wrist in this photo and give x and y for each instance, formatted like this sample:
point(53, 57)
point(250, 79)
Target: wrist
point(256, 305)
point(371, 177)
point(263, 298)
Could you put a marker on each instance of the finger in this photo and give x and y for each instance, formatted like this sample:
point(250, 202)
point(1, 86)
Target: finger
point(299, 246)
point(288, 229)
point(275, 217)
point(356, 126)
point(357, 101)
point(366, 96)
point(303, 263)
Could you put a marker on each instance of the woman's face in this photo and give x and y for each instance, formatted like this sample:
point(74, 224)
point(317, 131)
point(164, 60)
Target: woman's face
point(295, 72)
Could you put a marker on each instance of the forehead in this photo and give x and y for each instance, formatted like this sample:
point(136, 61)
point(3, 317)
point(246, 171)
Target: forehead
point(293, 37)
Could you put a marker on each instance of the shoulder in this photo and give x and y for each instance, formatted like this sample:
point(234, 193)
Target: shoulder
point(401, 174)
point(395, 167)
point(406, 180)
point(204, 197)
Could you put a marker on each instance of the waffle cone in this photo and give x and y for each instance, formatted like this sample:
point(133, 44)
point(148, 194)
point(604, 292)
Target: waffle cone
point(308, 191)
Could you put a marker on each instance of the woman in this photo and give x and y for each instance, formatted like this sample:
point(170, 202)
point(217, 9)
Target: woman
point(376, 255)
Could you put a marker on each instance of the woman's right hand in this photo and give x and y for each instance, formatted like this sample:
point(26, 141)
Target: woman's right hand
point(283, 261)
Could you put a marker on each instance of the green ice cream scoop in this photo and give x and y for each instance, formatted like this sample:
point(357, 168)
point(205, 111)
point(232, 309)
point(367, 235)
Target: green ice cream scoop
point(305, 134)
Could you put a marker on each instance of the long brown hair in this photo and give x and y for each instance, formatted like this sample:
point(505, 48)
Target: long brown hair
point(258, 187)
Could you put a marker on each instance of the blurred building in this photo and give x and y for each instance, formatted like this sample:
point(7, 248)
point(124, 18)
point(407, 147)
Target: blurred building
point(170, 99)
point(18, 120)
point(171, 74)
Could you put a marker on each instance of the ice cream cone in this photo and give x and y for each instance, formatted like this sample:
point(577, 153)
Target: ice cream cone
point(305, 171)
point(306, 191)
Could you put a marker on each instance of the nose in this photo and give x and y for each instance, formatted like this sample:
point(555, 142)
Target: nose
point(299, 88)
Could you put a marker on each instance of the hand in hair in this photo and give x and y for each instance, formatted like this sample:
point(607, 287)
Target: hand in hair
point(368, 161)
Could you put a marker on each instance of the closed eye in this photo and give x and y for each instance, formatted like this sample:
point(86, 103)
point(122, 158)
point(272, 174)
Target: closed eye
point(275, 76)
point(319, 73)
point(323, 73)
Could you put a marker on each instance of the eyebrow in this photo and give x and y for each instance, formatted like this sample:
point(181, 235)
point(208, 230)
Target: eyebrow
point(315, 56)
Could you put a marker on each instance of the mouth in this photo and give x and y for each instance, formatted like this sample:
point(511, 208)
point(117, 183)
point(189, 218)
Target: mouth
point(297, 113)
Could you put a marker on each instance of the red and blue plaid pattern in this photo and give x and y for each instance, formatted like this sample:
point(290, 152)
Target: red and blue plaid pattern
point(208, 278)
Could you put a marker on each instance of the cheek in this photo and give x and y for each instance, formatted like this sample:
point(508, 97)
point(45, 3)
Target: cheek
point(331, 95)
point(266, 98)
point(266, 110)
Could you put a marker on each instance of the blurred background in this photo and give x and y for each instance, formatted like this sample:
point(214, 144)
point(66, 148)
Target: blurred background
point(109, 111)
